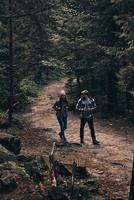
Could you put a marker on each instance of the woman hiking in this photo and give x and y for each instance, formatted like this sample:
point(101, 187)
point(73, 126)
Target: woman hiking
point(61, 107)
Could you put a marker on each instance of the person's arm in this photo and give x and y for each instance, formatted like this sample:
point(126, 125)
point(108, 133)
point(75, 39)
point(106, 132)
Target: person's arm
point(79, 106)
point(67, 105)
point(56, 107)
point(93, 104)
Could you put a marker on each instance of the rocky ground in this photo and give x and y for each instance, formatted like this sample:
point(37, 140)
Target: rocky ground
point(25, 172)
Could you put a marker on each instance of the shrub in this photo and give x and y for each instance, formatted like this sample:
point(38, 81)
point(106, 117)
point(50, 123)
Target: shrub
point(28, 87)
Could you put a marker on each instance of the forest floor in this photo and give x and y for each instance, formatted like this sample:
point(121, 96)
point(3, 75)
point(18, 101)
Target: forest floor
point(110, 162)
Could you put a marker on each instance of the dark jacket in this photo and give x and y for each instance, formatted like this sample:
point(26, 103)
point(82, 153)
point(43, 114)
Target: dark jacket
point(61, 108)
point(86, 106)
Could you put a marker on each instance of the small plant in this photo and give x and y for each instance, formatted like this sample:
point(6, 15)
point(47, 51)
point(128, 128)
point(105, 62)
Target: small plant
point(29, 87)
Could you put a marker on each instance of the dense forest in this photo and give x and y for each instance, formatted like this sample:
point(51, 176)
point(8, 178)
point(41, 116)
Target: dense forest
point(50, 48)
point(90, 40)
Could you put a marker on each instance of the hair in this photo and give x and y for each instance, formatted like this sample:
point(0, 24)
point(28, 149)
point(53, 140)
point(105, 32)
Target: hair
point(85, 92)
point(63, 100)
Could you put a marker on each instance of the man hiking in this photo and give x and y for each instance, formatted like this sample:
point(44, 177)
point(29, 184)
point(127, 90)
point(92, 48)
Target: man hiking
point(61, 107)
point(86, 105)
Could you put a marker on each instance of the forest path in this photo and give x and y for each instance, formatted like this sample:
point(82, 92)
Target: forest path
point(111, 162)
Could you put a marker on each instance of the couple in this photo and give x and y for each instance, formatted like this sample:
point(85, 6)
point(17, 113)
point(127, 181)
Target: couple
point(85, 105)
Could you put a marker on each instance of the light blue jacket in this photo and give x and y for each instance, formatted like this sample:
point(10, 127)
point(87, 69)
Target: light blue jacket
point(86, 106)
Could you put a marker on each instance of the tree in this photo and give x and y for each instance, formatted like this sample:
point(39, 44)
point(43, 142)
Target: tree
point(28, 41)
point(124, 19)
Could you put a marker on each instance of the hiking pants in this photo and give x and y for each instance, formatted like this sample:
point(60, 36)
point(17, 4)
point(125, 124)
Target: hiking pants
point(90, 122)
point(63, 124)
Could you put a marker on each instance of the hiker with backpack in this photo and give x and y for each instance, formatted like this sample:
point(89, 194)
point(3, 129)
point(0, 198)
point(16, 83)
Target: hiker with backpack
point(86, 104)
point(61, 107)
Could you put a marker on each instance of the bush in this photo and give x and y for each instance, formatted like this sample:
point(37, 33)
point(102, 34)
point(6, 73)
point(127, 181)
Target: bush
point(28, 87)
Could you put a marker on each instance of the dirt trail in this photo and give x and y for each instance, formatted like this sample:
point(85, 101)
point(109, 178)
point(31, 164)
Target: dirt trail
point(111, 162)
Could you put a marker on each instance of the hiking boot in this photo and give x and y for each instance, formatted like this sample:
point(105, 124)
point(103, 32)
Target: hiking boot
point(60, 135)
point(96, 142)
point(64, 139)
point(81, 142)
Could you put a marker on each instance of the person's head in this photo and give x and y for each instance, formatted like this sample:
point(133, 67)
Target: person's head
point(62, 95)
point(84, 93)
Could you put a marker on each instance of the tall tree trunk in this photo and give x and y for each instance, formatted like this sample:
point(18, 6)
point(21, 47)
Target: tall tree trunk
point(112, 91)
point(10, 62)
point(131, 195)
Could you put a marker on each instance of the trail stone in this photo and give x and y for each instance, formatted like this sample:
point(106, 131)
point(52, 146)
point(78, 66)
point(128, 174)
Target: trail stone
point(24, 158)
point(81, 172)
point(5, 155)
point(61, 169)
point(4, 123)
point(10, 142)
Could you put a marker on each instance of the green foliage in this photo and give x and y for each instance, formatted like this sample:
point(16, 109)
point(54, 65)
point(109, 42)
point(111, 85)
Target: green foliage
point(125, 21)
point(31, 44)
point(28, 87)
point(89, 40)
